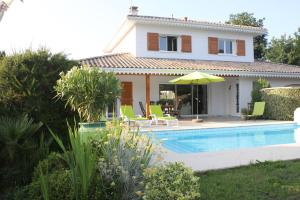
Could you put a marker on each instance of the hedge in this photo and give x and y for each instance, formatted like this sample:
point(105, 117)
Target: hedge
point(281, 102)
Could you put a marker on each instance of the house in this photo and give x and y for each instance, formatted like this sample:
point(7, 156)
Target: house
point(149, 51)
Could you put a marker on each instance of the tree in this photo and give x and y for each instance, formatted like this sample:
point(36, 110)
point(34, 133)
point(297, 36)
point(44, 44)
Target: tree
point(257, 86)
point(88, 90)
point(27, 82)
point(285, 49)
point(2, 54)
point(248, 19)
point(279, 49)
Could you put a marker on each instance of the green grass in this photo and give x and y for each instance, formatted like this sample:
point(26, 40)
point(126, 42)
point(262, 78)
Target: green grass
point(267, 181)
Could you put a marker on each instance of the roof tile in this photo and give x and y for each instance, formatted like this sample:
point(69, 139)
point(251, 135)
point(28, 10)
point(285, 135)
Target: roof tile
point(126, 60)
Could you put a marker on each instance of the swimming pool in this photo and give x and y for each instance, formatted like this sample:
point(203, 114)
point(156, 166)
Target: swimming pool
point(218, 139)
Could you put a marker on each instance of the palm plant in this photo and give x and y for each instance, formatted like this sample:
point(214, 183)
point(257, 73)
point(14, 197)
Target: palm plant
point(16, 135)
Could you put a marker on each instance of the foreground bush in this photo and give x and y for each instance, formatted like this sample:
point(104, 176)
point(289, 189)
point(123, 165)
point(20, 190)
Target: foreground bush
point(172, 181)
point(258, 84)
point(60, 187)
point(108, 166)
point(88, 91)
point(19, 151)
point(122, 159)
point(27, 82)
point(114, 165)
point(281, 102)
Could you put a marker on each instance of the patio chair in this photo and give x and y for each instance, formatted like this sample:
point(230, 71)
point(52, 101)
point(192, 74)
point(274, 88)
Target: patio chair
point(157, 115)
point(258, 110)
point(127, 115)
point(142, 108)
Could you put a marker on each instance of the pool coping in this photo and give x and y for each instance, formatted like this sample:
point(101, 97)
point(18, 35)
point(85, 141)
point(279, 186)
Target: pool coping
point(204, 161)
point(223, 126)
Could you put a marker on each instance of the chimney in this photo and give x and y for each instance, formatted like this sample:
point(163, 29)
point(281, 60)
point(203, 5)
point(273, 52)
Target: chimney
point(133, 10)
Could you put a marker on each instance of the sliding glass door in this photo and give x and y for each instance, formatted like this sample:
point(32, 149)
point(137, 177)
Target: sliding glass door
point(184, 98)
point(200, 99)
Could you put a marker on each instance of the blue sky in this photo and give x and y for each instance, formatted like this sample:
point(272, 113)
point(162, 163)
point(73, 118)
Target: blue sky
point(82, 28)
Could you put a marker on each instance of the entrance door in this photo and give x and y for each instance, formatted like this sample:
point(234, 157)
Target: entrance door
point(126, 97)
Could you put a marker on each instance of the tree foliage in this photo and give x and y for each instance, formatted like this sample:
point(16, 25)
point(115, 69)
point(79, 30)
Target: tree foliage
point(256, 93)
point(248, 19)
point(88, 90)
point(285, 49)
point(27, 82)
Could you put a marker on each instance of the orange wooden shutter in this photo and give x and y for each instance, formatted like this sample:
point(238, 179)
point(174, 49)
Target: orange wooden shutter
point(126, 97)
point(186, 43)
point(152, 39)
point(240, 46)
point(213, 45)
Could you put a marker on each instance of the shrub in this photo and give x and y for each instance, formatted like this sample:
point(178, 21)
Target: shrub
point(88, 90)
point(60, 187)
point(121, 162)
point(81, 162)
point(26, 86)
point(245, 111)
point(108, 166)
point(281, 102)
point(52, 163)
point(172, 181)
point(257, 86)
point(19, 152)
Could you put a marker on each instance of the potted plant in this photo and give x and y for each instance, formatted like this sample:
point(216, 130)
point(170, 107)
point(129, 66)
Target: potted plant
point(88, 90)
point(244, 113)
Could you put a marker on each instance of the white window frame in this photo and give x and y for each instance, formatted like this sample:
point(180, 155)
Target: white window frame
point(163, 35)
point(233, 46)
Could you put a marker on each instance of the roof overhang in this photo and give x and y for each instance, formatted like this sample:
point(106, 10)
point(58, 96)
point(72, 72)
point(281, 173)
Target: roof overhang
point(172, 72)
point(202, 25)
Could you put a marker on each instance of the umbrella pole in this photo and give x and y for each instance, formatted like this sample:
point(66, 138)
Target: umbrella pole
point(197, 102)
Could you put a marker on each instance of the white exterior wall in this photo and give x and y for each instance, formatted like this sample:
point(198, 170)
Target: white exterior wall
point(127, 44)
point(219, 98)
point(199, 43)
point(138, 90)
point(246, 85)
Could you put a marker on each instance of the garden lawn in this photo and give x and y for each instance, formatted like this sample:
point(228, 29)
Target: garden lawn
point(268, 181)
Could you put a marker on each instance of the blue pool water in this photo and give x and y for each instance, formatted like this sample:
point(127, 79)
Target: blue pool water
point(217, 139)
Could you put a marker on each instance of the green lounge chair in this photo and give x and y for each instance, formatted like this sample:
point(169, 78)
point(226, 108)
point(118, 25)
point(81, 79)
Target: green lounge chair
point(258, 110)
point(127, 114)
point(157, 115)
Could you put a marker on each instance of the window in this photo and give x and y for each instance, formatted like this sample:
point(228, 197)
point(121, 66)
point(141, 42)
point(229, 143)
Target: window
point(225, 46)
point(167, 43)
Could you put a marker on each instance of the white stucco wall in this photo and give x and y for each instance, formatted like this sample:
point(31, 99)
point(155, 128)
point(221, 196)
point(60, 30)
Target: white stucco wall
point(199, 43)
point(138, 89)
point(217, 97)
point(246, 85)
point(221, 97)
point(127, 44)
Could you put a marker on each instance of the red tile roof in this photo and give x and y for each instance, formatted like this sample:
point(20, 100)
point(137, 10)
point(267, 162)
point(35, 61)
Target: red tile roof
point(128, 61)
